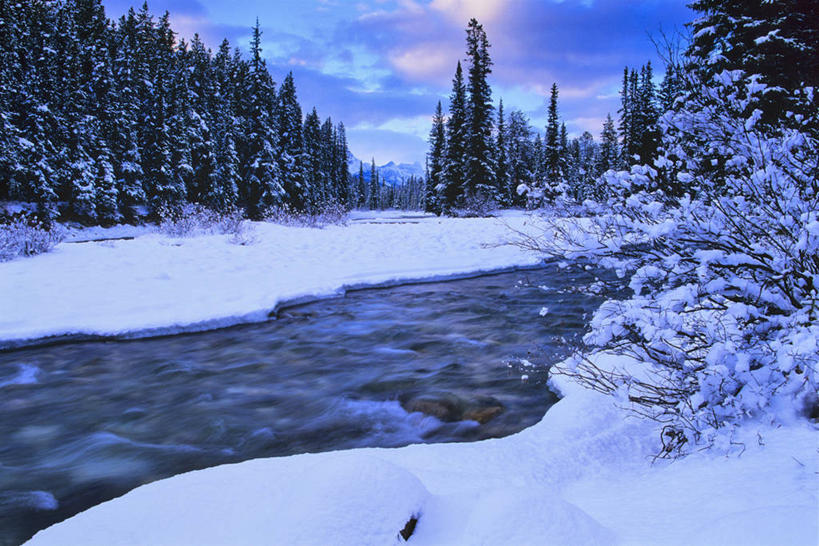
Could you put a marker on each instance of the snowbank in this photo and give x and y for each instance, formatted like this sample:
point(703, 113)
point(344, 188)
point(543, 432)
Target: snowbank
point(154, 284)
point(583, 475)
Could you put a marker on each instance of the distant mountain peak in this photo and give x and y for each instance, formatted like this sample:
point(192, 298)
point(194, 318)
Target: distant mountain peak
point(391, 172)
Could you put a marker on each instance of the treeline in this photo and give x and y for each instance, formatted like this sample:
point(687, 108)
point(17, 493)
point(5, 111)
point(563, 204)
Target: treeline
point(480, 156)
point(105, 121)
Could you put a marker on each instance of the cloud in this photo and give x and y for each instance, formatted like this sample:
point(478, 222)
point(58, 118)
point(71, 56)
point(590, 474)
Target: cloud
point(427, 61)
point(384, 146)
point(461, 11)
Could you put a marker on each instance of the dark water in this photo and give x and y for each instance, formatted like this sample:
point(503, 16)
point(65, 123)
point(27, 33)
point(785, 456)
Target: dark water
point(81, 423)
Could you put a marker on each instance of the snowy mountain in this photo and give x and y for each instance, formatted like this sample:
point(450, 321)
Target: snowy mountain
point(391, 173)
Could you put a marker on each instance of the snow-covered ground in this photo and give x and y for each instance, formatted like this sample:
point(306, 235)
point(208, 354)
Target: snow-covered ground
point(583, 475)
point(157, 284)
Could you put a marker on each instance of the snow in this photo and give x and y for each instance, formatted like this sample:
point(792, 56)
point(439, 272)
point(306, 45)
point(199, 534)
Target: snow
point(157, 284)
point(583, 475)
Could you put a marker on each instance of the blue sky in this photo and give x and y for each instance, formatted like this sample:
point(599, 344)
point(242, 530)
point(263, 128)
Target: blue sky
point(380, 66)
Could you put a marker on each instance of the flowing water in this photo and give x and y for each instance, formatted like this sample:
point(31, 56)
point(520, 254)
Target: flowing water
point(81, 423)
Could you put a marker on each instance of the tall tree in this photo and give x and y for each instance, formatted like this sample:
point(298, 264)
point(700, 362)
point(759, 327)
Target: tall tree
point(291, 145)
point(479, 179)
point(552, 147)
point(502, 160)
point(454, 169)
point(259, 167)
point(435, 163)
point(373, 193)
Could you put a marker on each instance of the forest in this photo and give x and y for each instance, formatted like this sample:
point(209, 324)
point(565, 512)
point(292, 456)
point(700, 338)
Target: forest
point(110, 121)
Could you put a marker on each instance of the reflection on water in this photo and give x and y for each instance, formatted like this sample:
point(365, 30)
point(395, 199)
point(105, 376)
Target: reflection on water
point(81, 423)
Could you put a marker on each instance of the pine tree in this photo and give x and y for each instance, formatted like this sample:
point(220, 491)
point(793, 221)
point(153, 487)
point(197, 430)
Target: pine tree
point(314, 175)
point(501, 160)
point(373, 194)
point(291, 145)
point(552, 148)
point(609, 149)
point(479, 179)
point(435, 163)
point(454, 169)
point(520, 156)
point(541, 179)
point(649, 135)
point(670, 88)
point(259, 168)
point(362, 188)
point(341, 168)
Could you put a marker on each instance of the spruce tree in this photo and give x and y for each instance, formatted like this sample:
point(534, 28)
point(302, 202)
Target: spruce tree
point(435, 163)
point(479, 176)
point(259, 168)
point(341, 168)
point(362, 188)
point(552, 148)
point(609, 149)
point(454, 168)
point(291, 145)
point(314, 175)
point(502, 161)
point(373, 193)
point(520, 156)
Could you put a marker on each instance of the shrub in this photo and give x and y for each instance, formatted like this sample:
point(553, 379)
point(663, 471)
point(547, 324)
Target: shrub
point(332, 214)
point(25, 235)
point(476, 206)
point(189, 220)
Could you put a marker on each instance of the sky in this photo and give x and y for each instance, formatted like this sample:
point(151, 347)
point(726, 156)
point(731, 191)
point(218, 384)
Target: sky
point(380, 66)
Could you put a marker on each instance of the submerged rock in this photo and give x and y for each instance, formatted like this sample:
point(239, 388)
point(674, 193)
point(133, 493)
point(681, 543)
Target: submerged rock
point(449, 407)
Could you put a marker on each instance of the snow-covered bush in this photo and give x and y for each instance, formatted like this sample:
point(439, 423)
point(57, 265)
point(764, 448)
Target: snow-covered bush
point(476, 206)
point(189, 220)
point(26, 236)
point(332, 214)
point(724, 316)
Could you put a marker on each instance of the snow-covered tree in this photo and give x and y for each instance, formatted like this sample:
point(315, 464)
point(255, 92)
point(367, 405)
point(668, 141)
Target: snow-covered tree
point(435, 163)
point(479, 174)
point(722, 322)
point(505, 190)
point(454, 168)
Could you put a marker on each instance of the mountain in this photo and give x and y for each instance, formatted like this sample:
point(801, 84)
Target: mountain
point(390, 173)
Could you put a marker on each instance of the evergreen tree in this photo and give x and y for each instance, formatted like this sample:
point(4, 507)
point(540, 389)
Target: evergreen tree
point(552, 148)
point(260, 171)
point(479, 179)
point(521, 156)
point(435, 163)
point(362, 188)
point(341, 169)
point(609, 149)
point(373, 194)
point(670, 88)
point(649, 133)
point(501, 160)
point(314, 175)
point(291, 145)
point(454, 169)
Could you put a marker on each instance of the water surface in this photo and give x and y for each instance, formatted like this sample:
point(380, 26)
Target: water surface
point(81, 423)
